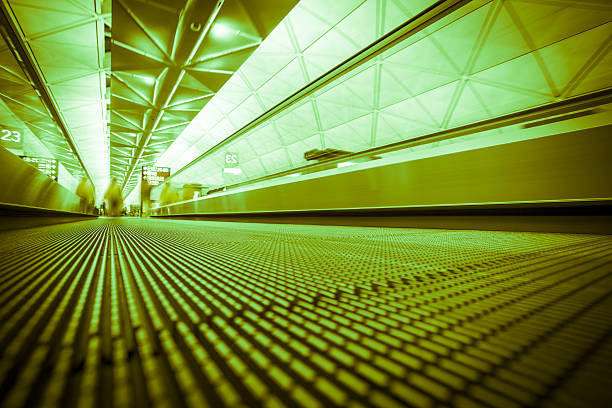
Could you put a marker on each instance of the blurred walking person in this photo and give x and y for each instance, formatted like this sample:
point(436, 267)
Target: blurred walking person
point(86, 194)
point(113, 198)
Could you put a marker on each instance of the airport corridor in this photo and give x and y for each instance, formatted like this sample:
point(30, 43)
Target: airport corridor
point(146, 312)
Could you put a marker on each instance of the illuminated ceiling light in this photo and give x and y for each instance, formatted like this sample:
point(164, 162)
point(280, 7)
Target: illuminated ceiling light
point(294, 175)
point(346, 164)
point(222, 30)
point(232, 170)
point(147, 79)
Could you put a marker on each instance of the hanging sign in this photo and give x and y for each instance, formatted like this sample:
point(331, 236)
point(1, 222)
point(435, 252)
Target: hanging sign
point(155, 175)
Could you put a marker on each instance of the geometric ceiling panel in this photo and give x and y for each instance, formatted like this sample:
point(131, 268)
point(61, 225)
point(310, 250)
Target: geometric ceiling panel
point(314, 37)
point(168, 60)
point(67, 42)
point(22, 109)
point(486, 59)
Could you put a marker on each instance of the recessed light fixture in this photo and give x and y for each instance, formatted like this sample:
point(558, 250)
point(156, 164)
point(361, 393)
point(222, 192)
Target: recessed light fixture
point(147, 79)
point(346, 164)
point(222, 30)
point(232, 170)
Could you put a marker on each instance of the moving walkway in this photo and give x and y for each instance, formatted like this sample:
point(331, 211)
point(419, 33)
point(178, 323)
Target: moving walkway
point(154, 312)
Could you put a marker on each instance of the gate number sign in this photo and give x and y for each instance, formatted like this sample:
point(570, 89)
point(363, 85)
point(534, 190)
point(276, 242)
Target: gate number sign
point(231, 159)
point(11, 139)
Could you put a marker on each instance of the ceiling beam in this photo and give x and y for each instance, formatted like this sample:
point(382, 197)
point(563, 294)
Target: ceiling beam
point(186, 43)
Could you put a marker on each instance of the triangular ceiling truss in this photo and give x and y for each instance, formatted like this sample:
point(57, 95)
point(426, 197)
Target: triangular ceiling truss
point(169, 60)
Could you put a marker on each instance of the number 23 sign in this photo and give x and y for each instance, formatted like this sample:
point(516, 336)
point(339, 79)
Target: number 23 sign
point(10, 138)
point(231, 159)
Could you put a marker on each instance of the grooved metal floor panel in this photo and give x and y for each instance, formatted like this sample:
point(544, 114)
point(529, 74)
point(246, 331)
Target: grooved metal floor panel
point(129, 312)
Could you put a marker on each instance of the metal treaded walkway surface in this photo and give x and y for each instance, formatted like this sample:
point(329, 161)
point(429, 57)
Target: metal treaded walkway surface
point(129, 312)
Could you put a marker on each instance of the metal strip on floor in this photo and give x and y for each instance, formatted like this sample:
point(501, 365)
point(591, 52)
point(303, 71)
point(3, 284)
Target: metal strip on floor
point(130, 312)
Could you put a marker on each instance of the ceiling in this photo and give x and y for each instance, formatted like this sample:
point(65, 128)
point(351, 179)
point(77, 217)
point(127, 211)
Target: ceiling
point(22, 110)
point(66, 39)
point(487, 59)
point(186, 75)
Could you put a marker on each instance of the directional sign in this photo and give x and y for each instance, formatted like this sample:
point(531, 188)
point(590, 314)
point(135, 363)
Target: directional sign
point(155, 175)
point(45, 165)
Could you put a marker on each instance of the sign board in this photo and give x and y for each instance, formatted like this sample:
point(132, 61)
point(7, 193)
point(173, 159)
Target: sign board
point(47, 166)
point(155, 175)
point(11, 138)
point(231, 160)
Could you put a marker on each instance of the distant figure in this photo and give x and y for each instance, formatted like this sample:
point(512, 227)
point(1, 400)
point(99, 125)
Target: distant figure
point(113, 199)
point(86, 194)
